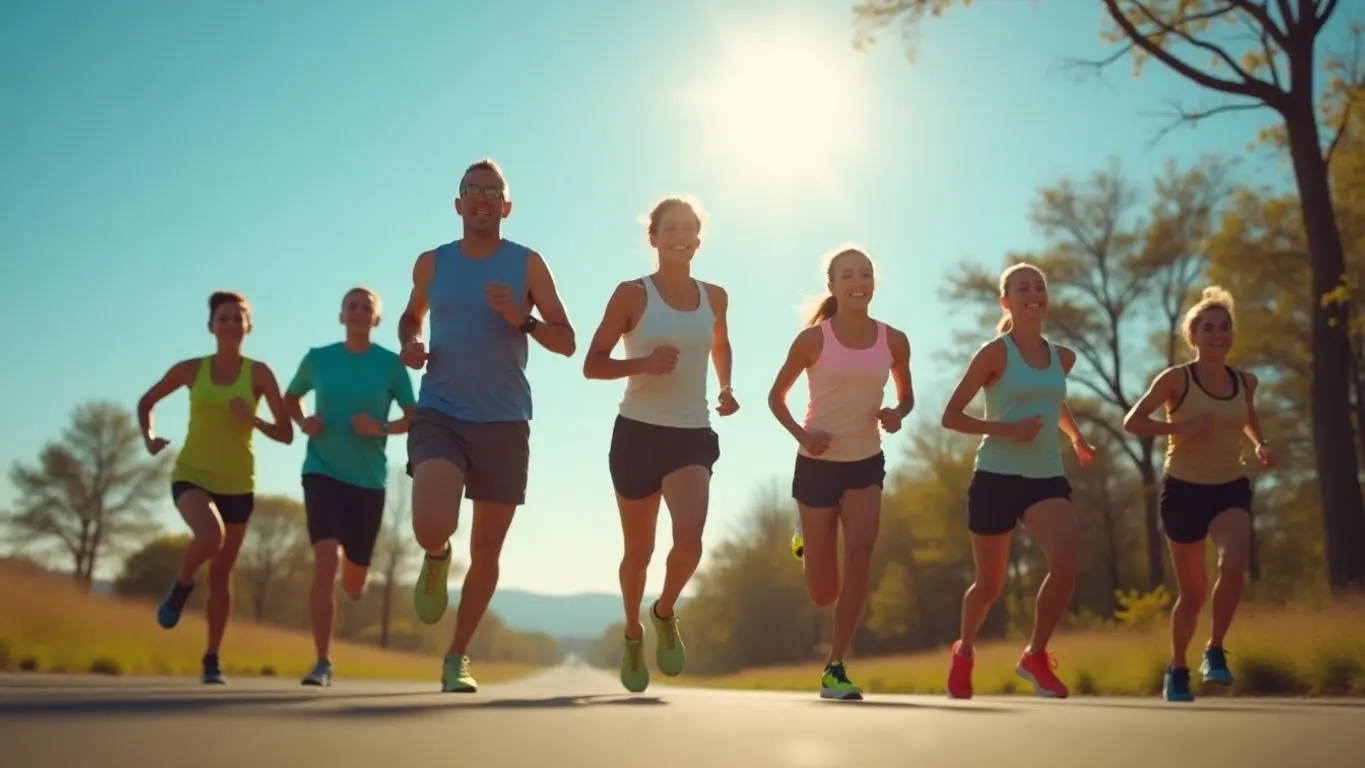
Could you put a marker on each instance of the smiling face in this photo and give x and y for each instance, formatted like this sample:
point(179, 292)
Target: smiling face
point(1210, 332)
point(1024, 295)
point(230, 322)
point(675, 232)
point(852, 280)
point(483, 201)
point(359, 312)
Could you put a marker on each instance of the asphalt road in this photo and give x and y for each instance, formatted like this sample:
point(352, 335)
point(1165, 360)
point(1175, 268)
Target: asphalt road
point(573, 717)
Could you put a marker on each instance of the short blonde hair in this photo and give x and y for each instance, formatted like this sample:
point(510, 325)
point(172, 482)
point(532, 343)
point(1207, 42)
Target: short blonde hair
point(374, 297)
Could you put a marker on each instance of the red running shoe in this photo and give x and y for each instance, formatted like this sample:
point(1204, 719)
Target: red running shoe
point(960, 675)
point(1037, 669)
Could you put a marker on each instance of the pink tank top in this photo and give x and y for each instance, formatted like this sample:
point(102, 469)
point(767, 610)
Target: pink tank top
point(846, 391)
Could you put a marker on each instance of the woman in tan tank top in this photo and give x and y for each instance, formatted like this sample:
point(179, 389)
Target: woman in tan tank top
point(1206, 488)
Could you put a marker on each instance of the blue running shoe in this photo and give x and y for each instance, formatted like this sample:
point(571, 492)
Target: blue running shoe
point(1214, 668)
point(213, 673)
point(172, 605)
point(1177, 685)
point(321, 675)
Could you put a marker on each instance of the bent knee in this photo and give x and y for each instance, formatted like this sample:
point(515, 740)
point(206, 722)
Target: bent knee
point(988, 590)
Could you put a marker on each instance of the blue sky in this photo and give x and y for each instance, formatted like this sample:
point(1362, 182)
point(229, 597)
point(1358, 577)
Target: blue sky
point(156, 151)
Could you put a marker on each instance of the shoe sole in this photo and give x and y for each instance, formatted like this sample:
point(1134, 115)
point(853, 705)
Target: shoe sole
point(836, 696)
point(1038, 690)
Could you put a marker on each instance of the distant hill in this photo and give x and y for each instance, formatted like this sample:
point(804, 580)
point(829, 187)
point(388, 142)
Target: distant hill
point(584, 616)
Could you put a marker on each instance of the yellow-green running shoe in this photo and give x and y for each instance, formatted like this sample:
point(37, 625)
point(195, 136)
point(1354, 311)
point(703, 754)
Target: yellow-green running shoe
point(455, 677)
point(834, 684)
point(429, 596)
point(669, 652)
point(798, 541)
point(634, 672)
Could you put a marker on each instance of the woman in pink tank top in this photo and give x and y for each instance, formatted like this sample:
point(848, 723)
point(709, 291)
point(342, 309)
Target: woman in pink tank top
point(847, 357)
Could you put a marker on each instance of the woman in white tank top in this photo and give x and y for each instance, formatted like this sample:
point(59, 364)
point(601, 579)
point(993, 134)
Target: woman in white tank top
point(847, 357)
point(662, 444)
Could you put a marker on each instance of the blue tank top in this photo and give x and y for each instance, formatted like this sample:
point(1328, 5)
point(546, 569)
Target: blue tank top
point(1022, 392)
point(476, 360)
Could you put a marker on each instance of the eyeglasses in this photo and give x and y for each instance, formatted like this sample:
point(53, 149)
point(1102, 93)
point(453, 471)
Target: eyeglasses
point(490, 192)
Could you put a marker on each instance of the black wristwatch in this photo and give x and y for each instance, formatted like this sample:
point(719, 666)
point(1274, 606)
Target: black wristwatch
point(530, 325)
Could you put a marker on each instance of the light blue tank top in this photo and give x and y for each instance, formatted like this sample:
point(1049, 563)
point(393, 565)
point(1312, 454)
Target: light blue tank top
point(1022, 392)
point(476, 360)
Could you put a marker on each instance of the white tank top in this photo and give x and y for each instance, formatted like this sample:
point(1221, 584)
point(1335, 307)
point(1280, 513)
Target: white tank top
point(676, 399)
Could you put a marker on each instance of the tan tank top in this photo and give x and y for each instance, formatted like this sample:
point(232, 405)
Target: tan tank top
point(1215, 457)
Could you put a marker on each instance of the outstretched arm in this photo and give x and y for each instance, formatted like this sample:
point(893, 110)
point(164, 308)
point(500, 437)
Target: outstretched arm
point(179, 375)
point(983, 367)
point(1164, 388)
point(900, 372)
point(263, 381)
point(722, 355)
point(555, 332)
point(800, 355)
point(415, 314)
point(598, 362)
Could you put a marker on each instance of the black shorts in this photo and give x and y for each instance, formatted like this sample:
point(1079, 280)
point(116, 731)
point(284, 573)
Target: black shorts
point(643, 454)
point(819, 483)
point(234, 508)
point(996, 503)
point(1188, 508)
point(348, 513)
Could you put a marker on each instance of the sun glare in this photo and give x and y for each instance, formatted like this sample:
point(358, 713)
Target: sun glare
point(780, 109)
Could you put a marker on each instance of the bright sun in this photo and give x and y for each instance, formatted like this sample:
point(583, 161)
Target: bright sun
point(781, 109)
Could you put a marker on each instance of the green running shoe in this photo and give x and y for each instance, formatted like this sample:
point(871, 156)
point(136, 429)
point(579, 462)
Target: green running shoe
point(669, 652)
point(429, 596)
point(455, 677)
point(834, 684)
point(634, 672)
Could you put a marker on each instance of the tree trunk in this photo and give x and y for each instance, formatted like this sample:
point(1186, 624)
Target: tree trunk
point(385, 612)
point(1156, 545)
point(1343, 513)
point(258, 601)
point(1358, 382)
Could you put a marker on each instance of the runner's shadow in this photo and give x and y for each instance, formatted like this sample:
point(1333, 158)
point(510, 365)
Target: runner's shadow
point(964, 709)
point(166, 703)
point(452, 704)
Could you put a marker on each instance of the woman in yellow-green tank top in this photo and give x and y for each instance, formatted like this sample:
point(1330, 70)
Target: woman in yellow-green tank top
point(1206, 488)
point(213, 482)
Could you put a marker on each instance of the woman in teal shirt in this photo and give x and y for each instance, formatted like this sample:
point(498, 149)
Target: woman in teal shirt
point(345, 471)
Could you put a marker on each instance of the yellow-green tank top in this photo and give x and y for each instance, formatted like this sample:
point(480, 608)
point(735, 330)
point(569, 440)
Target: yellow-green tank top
point(217, 455)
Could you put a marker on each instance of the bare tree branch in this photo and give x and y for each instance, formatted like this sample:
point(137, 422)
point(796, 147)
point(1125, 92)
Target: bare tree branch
point(1180, 117)
point(1251, 88)
point(1261, 14)
point(1323, 14)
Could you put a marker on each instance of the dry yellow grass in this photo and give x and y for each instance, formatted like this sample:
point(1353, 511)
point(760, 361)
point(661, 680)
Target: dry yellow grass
point(1298, 650)
point(48, 625)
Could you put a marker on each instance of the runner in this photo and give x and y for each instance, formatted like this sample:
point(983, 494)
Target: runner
point(1206, 490)
point(213, 482)
point(345, 472)
point(470, 435)
point(840, 467)
point(1019, 475)
point(662, 444)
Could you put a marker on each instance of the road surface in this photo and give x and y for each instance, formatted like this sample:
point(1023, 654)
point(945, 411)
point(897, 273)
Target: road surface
point(575, 717)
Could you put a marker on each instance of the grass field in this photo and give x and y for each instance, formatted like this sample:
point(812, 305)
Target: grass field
point(48, 625)
point(1294, 651)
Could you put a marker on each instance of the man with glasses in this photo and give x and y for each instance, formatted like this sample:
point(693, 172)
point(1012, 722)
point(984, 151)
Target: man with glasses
point(470, 434)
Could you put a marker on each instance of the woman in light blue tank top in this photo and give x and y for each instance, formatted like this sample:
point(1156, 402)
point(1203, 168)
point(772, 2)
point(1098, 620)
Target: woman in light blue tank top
point(1019, 474)
point(662, 443)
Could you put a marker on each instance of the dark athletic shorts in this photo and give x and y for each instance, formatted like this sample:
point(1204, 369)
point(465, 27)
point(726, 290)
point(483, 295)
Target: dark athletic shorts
point(996, 503)
point(348, 513)
point(234, 508)
point(1188, 508)
point(819, 483)
point(493, 456)
point(643, 454)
